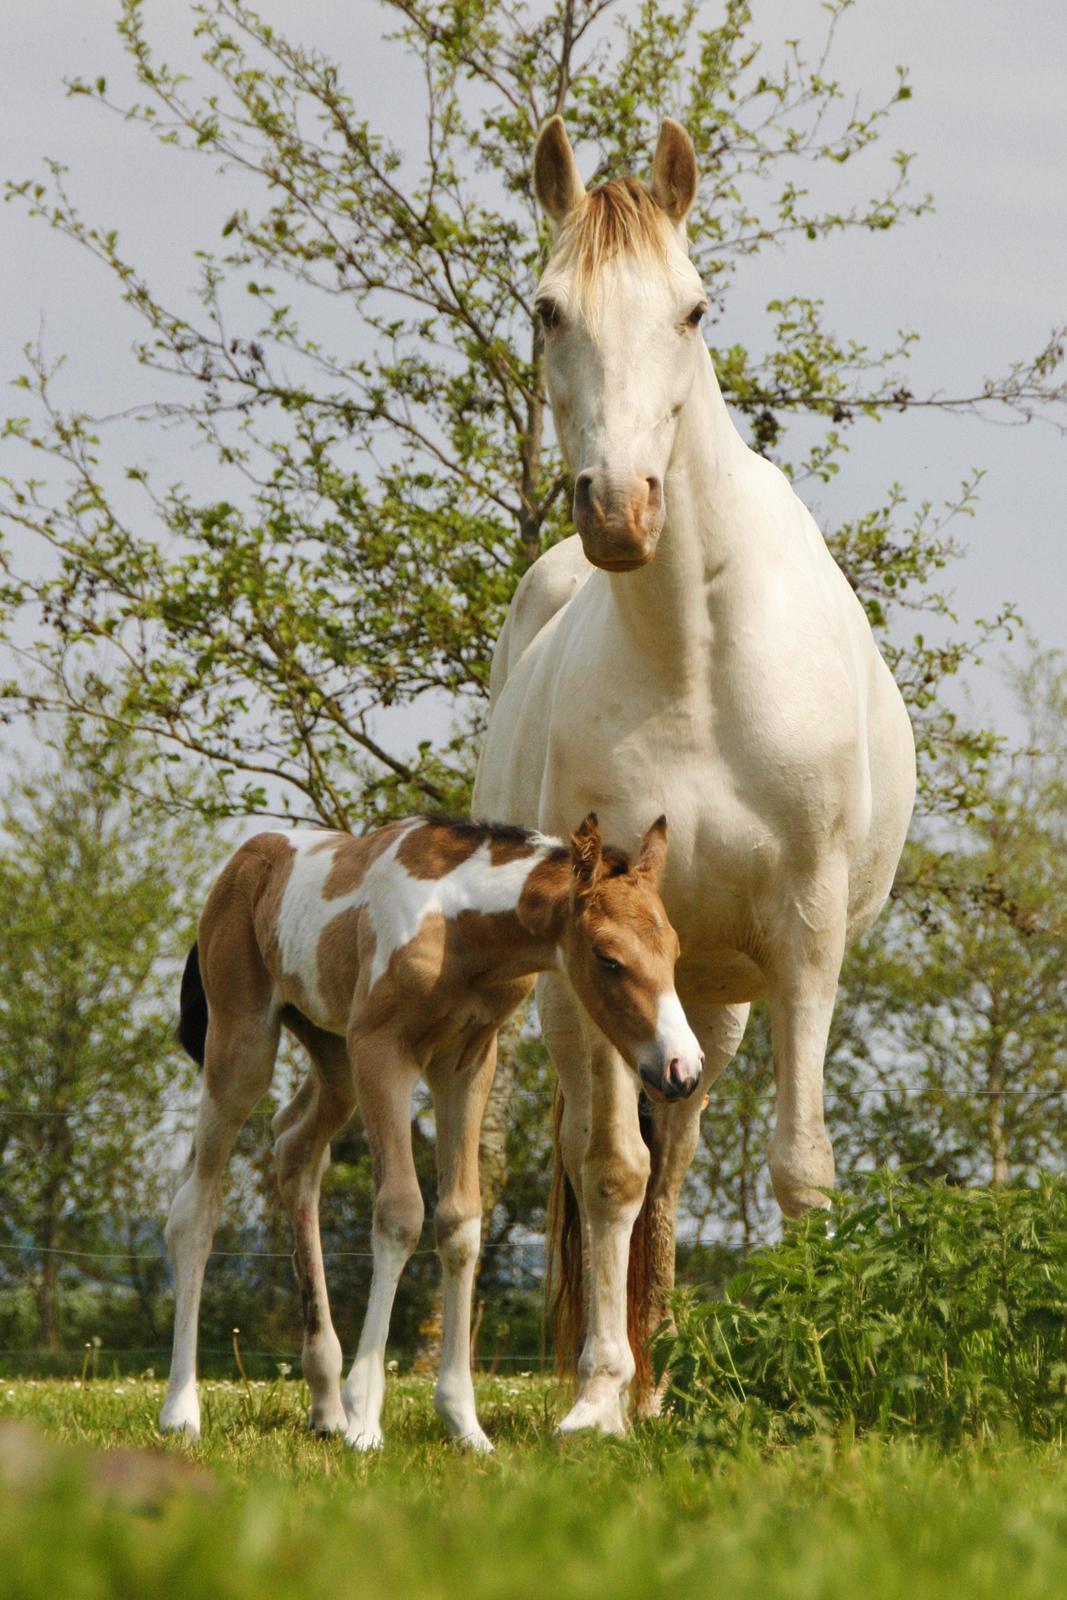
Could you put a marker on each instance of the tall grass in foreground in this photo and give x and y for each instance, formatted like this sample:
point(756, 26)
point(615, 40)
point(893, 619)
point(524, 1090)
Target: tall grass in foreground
point(910, 1309)
point(273, 1513)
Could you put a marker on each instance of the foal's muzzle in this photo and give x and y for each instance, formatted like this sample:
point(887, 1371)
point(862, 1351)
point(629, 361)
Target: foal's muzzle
point(673, 1080)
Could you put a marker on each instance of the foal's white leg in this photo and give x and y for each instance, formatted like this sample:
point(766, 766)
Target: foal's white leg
point(302, 1155)
point(459, 1101)
point(364, 1392)
point(614, 1173)
point(385, 1078)
point(237, 1070)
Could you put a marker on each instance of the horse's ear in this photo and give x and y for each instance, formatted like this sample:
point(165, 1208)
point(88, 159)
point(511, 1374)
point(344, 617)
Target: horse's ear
point(556, 182)
point(652, 857)
point(587, 853)
point(674, 171)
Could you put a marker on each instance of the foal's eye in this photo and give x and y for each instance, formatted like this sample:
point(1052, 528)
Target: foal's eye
point(697, 315)
point(608, 962)
point(548, 314)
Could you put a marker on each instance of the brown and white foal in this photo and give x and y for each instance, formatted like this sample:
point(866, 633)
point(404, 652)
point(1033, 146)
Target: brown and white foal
point(389, 957)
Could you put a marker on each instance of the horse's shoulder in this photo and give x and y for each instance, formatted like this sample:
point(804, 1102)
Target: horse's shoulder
point(548, 586)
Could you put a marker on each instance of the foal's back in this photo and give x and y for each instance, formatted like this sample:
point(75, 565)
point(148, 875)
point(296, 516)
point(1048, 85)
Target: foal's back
point(353, 931)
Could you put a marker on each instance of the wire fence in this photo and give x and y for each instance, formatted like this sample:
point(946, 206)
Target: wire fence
point(865, 1091)
point(526, 1256)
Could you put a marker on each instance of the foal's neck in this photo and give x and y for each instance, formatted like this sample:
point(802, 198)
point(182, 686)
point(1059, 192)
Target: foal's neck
point(524, 939)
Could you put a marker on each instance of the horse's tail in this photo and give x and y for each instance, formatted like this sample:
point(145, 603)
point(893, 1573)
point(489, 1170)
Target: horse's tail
point(192, 1019)
point(564, 1278)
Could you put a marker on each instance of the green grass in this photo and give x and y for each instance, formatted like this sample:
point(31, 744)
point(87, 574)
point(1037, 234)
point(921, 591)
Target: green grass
point(284, 1515)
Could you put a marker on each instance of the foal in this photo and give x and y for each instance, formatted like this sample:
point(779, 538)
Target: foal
point(389, 957)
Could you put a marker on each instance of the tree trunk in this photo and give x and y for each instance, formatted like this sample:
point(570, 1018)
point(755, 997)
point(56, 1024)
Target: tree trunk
point(49, 1234)
point(493, 1142)
point(998, 1143)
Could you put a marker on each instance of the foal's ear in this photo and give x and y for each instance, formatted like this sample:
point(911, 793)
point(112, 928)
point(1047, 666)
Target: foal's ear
point(674, 171)
point(556, 182)
point(652, 857)
point(587, 853)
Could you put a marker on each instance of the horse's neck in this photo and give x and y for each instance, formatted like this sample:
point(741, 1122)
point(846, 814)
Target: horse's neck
point(704, 540)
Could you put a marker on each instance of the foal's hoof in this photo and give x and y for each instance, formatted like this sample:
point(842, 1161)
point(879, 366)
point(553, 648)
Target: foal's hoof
point(476, 1441)
point(326, 1426)
point(364, 1440)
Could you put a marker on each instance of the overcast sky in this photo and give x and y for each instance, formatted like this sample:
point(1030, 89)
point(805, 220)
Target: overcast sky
point(983, 279)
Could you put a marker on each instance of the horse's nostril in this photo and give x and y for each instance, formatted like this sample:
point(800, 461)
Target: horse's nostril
point(583, 492)
point(655, 493)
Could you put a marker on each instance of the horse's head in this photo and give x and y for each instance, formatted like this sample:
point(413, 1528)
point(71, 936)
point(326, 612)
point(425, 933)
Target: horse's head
point(619, 950)
point(620, 304)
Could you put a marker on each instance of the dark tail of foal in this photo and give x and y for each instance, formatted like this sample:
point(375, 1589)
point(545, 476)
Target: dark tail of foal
point(564, 1284)
point(192, 1021)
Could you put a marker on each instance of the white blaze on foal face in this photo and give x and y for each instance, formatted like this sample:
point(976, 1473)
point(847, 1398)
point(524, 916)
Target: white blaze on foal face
point(620, 950)
point(620, 304)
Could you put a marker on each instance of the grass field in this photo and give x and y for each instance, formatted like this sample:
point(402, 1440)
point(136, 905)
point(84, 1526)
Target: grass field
point(259, 1508)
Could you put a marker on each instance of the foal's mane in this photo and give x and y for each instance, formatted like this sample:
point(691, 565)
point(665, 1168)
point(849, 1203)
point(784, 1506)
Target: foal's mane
point(620, 217)
point(617, 861)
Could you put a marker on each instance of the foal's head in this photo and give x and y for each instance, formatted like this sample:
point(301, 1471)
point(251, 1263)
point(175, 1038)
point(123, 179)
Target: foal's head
point(619, 950)
point(620, 304)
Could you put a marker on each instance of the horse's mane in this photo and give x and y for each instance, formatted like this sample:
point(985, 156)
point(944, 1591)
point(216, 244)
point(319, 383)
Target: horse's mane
point(620, 217)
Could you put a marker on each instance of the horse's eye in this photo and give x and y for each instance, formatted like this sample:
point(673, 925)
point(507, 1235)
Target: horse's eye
point(548, 313)
point(608, 962)
point(697, 315)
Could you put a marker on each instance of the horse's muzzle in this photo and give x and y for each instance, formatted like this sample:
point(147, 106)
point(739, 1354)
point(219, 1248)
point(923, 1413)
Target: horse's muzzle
point(619, 521)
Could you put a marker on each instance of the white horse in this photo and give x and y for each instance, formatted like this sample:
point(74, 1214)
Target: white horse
point(711, 652)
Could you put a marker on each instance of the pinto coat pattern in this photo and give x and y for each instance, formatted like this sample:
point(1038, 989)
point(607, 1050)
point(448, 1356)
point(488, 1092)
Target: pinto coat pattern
point(391, 957)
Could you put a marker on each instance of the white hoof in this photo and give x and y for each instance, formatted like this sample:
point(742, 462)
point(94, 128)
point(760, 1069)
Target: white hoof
point(181, 1414)
point(594, 1416)
point(363, 1439)
point(475, 1440)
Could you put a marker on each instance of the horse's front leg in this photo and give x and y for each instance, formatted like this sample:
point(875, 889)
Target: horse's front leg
point(673, 1132)
point(802, 996)
point(613, 1176)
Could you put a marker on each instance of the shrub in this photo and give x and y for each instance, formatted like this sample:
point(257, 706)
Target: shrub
point(907, 1308)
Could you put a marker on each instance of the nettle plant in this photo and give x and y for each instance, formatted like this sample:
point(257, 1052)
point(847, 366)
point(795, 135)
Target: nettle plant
point(382, 485)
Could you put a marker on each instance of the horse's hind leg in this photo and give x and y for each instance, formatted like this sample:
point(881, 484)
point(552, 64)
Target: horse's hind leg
point(302, 1154)
point(459, 1101)
point(238, 1062)
point(385, 1079)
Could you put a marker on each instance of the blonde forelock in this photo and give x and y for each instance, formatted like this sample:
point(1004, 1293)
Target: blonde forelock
point(619, 218)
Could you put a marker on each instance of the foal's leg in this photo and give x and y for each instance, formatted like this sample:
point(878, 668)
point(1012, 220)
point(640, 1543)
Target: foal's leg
point(673, 1134)
point(459, 1100)
point(302, 1155)
point(238, 1062)
point(600, 1121)
point(385, 1078)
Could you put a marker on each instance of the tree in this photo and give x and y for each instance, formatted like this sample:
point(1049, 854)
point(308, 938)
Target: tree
point(377, 504)
point(96, 889)
point(379, 495)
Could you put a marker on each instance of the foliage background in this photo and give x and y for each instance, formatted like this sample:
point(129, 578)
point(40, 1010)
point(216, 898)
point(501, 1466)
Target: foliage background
point(368, 468)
